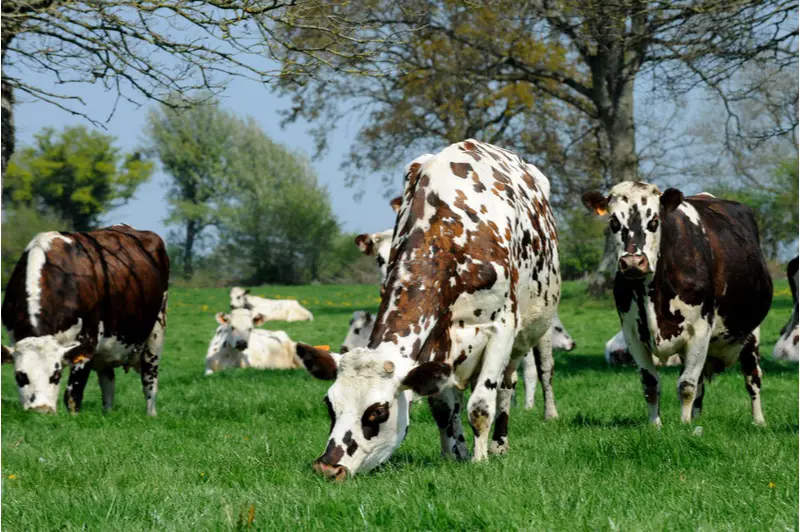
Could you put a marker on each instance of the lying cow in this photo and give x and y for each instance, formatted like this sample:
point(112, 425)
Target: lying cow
point(472, 284)
point(270, 309)
point(533, 367)
point(89, 301)
point(787, 347)
point(617, 354)
point(692, 281)
point(238, 344)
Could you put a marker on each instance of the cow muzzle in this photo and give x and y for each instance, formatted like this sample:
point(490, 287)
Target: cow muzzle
point(241, 345)
point(336, 472)
point(634, 266)
point(43, 409)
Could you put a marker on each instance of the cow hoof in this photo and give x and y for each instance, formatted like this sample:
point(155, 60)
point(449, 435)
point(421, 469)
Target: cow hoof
point(498, 448)
point(550, 415)
point(759, 422)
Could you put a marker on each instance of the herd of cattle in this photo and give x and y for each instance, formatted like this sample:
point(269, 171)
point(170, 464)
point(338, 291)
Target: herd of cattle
point(470, 288)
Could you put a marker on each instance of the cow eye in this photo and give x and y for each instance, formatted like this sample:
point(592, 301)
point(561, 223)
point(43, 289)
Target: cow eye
point(614, 224)
point(652, 225)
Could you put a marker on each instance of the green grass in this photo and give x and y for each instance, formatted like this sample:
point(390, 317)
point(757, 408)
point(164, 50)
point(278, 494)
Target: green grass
point(245, 438)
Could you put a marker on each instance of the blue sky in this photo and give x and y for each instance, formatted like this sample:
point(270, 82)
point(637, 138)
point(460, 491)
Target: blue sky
point(148, 210)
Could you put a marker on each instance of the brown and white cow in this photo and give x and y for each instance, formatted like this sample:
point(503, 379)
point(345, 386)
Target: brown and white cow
point(90, 301)
point(532, 365)
point(472, 284)
point(787, 348)
point(691, 280)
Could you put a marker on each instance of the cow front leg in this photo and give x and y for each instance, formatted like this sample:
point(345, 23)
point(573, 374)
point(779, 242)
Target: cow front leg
point(751, 369)
point(446, 410)
point(106, 380)
point(483, 401)
point(697, 406)
point(543, 356)
point(651, 386)
point(508, 384)
point(151, 355)
point(76, 384)
point(529, 377)
point(696, 352)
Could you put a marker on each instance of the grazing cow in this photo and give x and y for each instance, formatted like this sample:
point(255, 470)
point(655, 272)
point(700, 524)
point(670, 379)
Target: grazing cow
point(533, 367)
point(787, 347)
point(270, 309)
point(90, 301)
point(617, 354)
point(691, 280)
point(237, 344)
point(472, 284)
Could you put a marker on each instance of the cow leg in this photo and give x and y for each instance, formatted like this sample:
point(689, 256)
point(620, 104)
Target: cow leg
point(508, 384)
point(749, 362)
point(697, 406)
point(76, 384)
point(543, 356)
point(446, 410)
point(151, 355)
point(530, 374)
point(106, 379)
point(483, 401)
point(651, 385)
point(693, 363)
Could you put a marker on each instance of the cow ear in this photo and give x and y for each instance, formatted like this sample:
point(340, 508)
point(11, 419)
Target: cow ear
point(222, 318)
point(8, 358)
point(595, 202)
point(320, 363)
point(429, 378)
point(368, 318)
point(72, 355)
point(258, 320)
point(396, 203)
point(246, 291)
point(365, 244)
point(671, 200)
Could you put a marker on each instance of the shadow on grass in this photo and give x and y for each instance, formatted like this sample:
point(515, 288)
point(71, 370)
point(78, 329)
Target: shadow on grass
point(583, 420)
point(574, 364)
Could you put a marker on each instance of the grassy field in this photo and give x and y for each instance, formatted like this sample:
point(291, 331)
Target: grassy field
point(237, 447)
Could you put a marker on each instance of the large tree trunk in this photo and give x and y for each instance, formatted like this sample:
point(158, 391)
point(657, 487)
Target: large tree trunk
point(188, 249)
point(7, 123)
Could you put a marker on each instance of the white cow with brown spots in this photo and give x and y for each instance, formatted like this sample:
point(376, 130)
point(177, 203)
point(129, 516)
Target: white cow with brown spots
point(238, 344)
point(787, 348)
point(270, 309)
point(472, 284)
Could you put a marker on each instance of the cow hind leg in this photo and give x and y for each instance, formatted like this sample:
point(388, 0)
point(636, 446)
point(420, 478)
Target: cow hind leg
point(543, 357)
point(106, 380)
point(751, 369)
point(508, 384)
point(530, 374)
point(483, 401)
point(151, 355)
point(697, 406)
point(446, 410)
point(76, 384)
point(693, 363)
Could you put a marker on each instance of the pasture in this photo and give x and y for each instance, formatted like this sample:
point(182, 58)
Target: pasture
point(234, 450)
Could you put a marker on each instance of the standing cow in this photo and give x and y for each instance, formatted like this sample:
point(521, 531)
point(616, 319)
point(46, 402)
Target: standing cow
point(787, 347)
point(90, 301)
point(472, 284)
point(691, 280)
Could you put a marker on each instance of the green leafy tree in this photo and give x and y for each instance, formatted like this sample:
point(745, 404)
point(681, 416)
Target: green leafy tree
point(194, 147)
point(77, 174)
point(20, 224)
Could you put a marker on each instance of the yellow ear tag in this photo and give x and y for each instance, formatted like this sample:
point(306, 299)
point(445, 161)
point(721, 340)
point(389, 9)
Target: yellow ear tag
point(601, 211)
point(80, 358)
point(325, 347)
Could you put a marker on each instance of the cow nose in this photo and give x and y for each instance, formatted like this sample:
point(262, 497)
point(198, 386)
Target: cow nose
point(572, 345)
point(44, 409)
point(333, 472)
point(633, 265)
point(241, 345)
point(343, 350)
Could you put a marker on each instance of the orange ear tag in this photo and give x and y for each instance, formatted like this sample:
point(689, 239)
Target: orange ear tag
point(325, 347)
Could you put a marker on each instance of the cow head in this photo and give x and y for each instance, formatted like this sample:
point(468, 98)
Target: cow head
point(38, 362)
point(361, 325)
point(377, 245)
point(239, 297)
point(237, 325)
point(635, 212)
point(368, 404)
point(561, 338)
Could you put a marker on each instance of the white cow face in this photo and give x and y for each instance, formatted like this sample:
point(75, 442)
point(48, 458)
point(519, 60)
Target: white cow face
point(361, 325)
point(38, 362)
point(237, 326)
point(238, 299)
point(377, 245)
point(367, 404)
point(635, 210)
point(561, 338)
